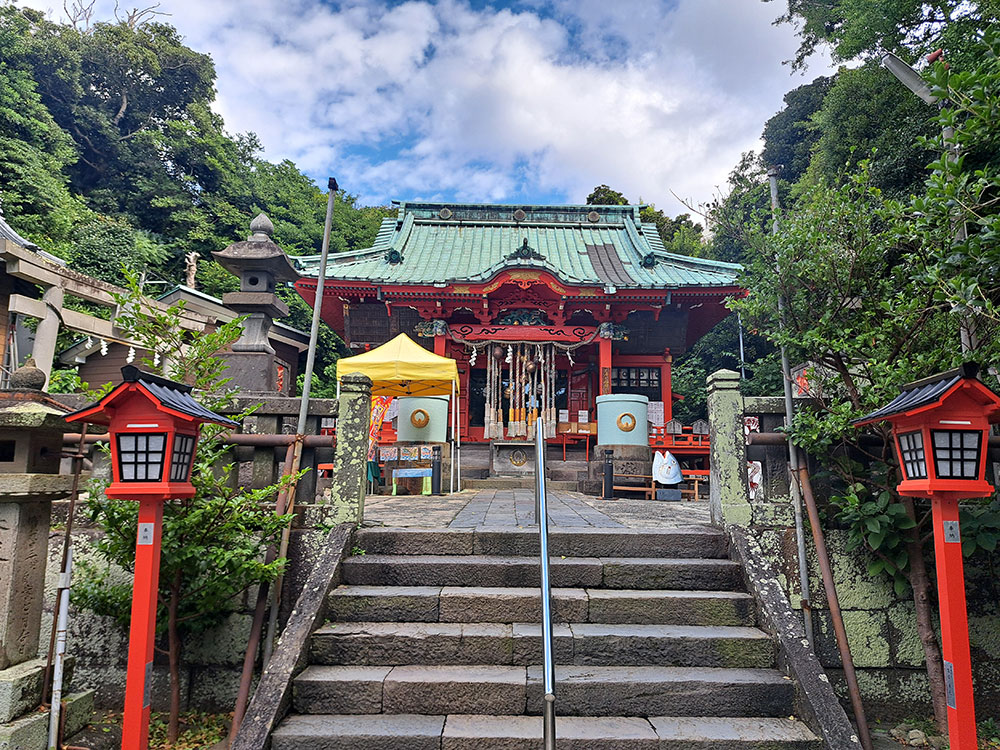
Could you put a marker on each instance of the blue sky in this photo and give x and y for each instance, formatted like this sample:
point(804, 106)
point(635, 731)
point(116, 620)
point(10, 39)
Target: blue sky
point(524, 101)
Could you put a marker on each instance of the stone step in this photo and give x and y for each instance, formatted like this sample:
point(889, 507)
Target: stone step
point(649, 691)
point(495, 604)
point(711, 733)
point(518, 483)
point(411, 689)
point(693, 542)
point(569, 572)
point(478, 732)
point(581, 691)
point(519, 644)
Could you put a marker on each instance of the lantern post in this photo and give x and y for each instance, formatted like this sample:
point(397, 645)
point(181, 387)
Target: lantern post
point(940, 426)
point(153, 424)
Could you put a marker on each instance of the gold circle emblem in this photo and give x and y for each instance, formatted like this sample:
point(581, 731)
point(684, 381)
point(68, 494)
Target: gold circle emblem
point(626, 422)
point(518, 457)
point(419, 418)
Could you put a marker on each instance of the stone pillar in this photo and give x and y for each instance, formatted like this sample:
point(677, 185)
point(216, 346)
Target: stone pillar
point(728, 500)
point(44, 348)
point(349, 468)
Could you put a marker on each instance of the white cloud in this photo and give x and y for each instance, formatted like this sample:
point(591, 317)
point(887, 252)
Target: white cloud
point(552, 98)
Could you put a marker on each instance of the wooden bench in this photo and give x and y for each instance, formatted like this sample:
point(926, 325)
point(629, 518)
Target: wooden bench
point(646, 486)
point(696, 477)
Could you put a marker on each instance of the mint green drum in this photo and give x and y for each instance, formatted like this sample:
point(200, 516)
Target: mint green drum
point(422, 419)
point(622, 419)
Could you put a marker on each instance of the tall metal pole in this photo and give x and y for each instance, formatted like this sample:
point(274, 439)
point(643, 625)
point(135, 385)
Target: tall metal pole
point(793, 451)
point(801, 473)
point(272, 620)
point(317, 307)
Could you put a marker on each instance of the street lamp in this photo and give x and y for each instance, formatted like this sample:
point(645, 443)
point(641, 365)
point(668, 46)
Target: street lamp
point(912, 80)
point(153, 424)
point(941, 425)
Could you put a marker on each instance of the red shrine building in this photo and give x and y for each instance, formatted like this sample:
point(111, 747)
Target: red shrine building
point(543, 307)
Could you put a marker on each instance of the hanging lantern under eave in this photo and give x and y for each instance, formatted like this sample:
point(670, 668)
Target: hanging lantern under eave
point(153, 424)
point(941, 427)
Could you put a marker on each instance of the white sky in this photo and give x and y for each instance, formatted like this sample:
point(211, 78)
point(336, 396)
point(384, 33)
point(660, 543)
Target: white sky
point(527, 101)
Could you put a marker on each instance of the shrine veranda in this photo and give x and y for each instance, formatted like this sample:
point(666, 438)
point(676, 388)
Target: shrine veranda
point(543, 307)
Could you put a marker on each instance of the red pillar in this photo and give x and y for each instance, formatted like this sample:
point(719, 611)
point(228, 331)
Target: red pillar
point(666, 388)
point(604, 357)
point(954, 626)
point(135, 724)
point(439, 342)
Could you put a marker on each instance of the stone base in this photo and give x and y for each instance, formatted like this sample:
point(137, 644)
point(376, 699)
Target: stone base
point(512, 458)
point(257, 372)
point(21, 687)
point(627, 459)
point(669, 495)
point(32, 731)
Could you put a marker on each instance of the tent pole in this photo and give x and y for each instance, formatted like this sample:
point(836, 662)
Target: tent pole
point(454, 409)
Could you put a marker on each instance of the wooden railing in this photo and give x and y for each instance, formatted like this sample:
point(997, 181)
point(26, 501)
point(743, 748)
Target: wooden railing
point(683, 438)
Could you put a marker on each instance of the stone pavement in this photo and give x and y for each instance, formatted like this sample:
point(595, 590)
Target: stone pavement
point(514, 508)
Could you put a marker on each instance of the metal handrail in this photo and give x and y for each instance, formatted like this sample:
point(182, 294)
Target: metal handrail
point(548, 661)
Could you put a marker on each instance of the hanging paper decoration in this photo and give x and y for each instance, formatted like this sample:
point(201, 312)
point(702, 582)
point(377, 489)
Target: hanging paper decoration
point(156, 359)
point(131, 355)
point(104, 348)
point(89, 342)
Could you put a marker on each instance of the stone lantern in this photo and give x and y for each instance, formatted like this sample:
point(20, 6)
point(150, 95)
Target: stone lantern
point(259, 264)
point(31, 443)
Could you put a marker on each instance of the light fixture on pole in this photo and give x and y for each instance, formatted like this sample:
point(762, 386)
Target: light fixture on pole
point(153, 424)
point(912, 80)
point(940, 426)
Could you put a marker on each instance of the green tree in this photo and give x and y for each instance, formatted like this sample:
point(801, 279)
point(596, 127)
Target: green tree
point(843, 262)
point(957, 221)
point(719, 349)
point(213, 544)
point(789, 136)
point(863, 28)
point(107, 249)
point(34, 150)
point(602, 195)
point(867, 111)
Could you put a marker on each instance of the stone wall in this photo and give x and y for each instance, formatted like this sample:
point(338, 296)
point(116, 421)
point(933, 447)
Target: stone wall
point(212, 661)
point(881, 626)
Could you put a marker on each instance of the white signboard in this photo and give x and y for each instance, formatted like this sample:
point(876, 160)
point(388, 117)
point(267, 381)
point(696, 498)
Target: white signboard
point(655, 413)
point(583, 416)
point(564, 415)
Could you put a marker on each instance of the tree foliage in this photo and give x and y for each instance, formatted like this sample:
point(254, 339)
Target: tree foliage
point(679, 235)
point(212, 544)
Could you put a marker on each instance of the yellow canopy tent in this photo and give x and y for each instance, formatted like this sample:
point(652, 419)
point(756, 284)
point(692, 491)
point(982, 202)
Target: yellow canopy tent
point(402, 367)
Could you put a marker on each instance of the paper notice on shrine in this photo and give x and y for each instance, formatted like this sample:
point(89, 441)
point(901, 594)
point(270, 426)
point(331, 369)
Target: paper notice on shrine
point(564, 415)
point(655, 413)
point(583, 416)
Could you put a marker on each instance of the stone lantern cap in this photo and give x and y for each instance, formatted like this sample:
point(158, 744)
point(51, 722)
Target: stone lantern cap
point(257, 253)
point(32, 410)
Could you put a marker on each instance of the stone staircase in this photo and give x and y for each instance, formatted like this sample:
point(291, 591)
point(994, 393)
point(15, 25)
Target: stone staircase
point(433, 642)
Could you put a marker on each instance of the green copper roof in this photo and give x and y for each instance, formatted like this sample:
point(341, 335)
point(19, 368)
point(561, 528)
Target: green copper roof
point(606, 246)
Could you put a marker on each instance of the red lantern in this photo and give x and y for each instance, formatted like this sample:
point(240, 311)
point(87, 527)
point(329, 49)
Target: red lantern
point(941, 427)
point(153, 425)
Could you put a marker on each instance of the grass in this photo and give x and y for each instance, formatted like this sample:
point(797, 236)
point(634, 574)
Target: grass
point(198, 731)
